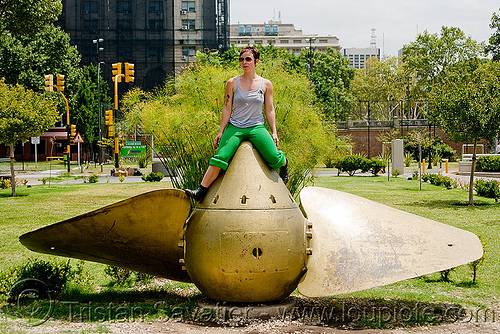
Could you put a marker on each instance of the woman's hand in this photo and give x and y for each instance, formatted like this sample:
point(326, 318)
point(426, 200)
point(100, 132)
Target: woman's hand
point(276, 139)
point(217, 140)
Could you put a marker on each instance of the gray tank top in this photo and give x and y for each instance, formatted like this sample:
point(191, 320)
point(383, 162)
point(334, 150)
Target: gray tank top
point(247, 106)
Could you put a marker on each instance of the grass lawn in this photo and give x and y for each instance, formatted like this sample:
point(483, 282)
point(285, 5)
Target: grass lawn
point(41, 206)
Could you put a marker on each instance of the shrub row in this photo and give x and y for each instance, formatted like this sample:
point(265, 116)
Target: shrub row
point(439, 180)
point(488, 164)
point(355, 162)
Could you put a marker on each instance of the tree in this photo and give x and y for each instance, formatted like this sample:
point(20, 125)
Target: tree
point(27, 17)
point(466, 104)
point(381, 84)
point(23, 114)
point(494, 47)
point(26, 59)
point(331, 77)
point(430, 54)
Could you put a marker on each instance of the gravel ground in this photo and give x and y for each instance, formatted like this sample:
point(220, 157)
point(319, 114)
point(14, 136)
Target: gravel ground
point(270, 326)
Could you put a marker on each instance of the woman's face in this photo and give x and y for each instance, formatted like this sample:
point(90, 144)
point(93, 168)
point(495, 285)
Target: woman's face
point(247, 61)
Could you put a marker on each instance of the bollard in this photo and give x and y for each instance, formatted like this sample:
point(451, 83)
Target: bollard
point(423, 166)
point(446, 164)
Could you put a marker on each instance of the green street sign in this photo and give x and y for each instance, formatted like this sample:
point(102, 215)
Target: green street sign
point(132, 151)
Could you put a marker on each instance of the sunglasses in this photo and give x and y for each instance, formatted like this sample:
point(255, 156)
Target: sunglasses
point(246, 59)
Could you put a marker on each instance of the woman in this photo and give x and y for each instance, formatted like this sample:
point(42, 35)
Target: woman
point(242, 118)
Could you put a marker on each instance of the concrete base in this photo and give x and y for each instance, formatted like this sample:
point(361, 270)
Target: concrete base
point(237, 312)
point(158, 167)
point(464, 167)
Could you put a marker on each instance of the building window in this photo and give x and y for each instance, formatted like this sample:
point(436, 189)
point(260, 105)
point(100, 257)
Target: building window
point(123, 6)
point(297, 41)
point(284, 41)
point(188, 24)
point(90, 7)
point(155, 24)
point(188, 51)
point(155, 52)
point(123, 24)
point(188, 6)
point(91, 25)
point(156, 6)
point(126, 54)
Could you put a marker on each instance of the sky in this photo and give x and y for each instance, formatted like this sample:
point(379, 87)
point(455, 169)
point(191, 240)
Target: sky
point(397, 21)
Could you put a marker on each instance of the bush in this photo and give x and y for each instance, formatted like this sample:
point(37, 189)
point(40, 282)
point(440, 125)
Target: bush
point(143, 159)
point(488, 164)
point(93, 178)
point(489, 189)
point(438, 180)
point(38, 275)
point(351, 163)
point(118, 275)
point(184, 116)
point(152, 177)
point(443, 150)
point(396, 172)
point(376, 165)
point(408, 159)
point(121, 276)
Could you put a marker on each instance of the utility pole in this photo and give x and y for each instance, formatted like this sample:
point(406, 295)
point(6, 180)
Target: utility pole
point(99, 49)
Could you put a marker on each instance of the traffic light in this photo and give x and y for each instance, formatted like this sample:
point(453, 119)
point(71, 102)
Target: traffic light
point(73, 130)
point(129, 72)
point(117, 70)
point(49, 83)
point(60, 82)
point(109, 117)
point(111, 131)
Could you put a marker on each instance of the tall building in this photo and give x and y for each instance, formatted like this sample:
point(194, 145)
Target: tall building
point(358, 56)
point(283, 35)
point(158, 36)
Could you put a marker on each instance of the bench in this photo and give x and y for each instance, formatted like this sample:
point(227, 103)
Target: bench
point(4, 159)
point(53, 158)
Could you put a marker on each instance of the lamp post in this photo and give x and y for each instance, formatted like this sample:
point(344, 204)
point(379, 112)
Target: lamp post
point(310, 56)
point(97, 41)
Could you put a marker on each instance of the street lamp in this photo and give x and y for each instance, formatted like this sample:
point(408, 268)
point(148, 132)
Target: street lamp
point(97, 41)
point(309, 63)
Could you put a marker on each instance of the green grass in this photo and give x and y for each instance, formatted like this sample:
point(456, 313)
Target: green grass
point(40, 206)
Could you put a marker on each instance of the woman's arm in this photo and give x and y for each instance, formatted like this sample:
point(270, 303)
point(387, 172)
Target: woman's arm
point(269, 109)
point(226, 110)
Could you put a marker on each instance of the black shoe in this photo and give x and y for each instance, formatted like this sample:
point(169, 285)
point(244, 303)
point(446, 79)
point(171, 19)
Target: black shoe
point(197, 194)
point(284, 173)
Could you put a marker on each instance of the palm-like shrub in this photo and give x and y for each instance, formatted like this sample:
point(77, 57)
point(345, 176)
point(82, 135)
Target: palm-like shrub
point(184, 117)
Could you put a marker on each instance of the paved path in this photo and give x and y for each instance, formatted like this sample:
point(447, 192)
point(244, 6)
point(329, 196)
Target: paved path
point(34, 178)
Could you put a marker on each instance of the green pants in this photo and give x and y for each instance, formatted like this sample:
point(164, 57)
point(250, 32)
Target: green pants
point(258, 135)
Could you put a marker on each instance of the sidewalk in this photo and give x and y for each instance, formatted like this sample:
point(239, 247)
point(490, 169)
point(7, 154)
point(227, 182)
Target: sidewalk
point(34, 178)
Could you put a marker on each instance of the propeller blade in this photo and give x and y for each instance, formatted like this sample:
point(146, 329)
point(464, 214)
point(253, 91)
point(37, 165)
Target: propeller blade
point(140, 233)
point(359, 244)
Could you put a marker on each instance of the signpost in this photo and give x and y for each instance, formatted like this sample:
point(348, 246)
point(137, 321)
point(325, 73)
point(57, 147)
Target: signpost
point(35, 141)
point(78, 139)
